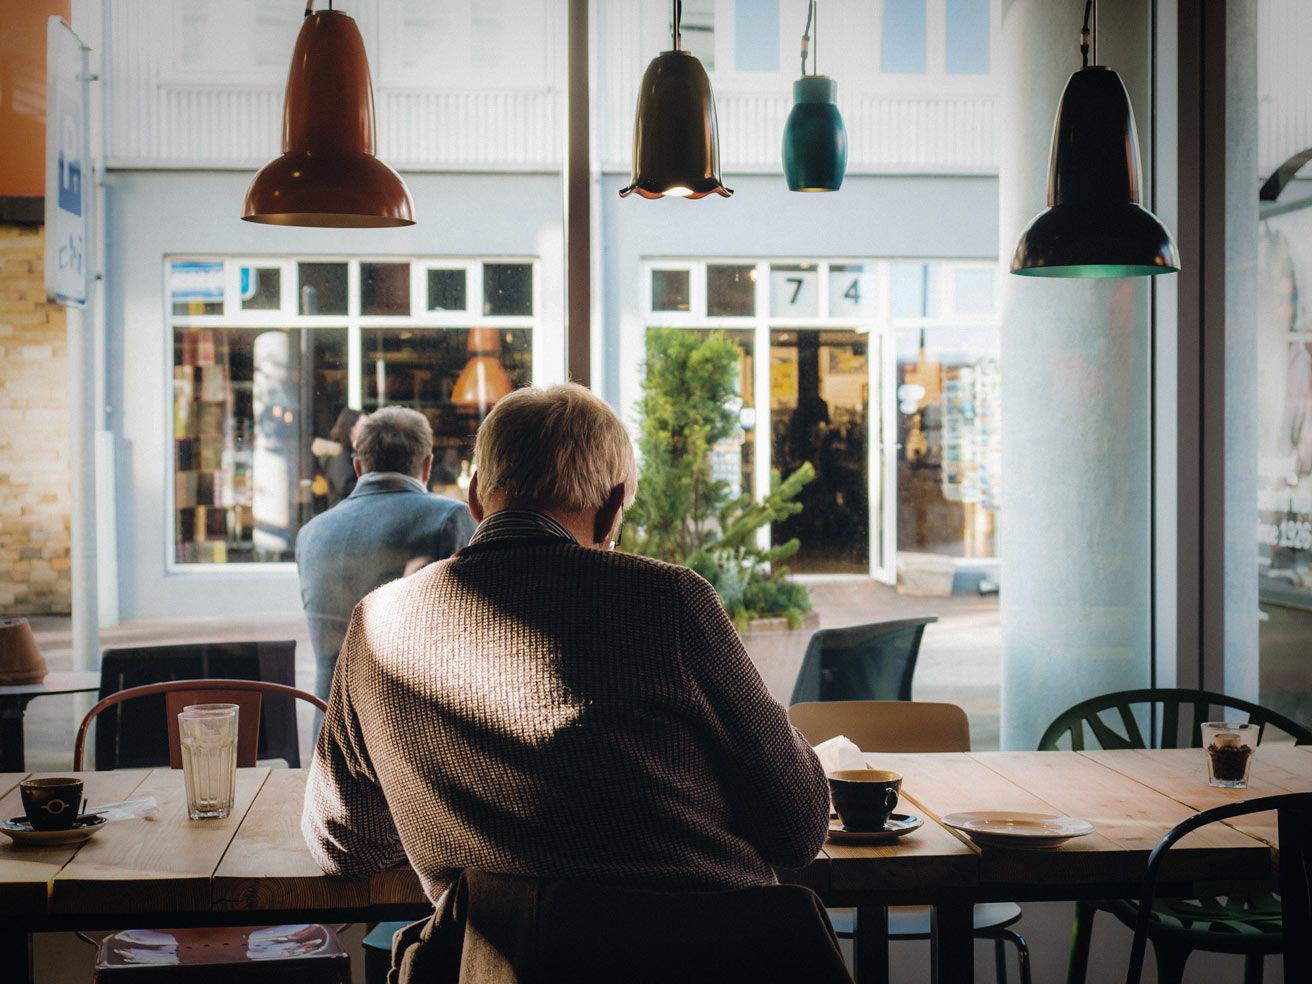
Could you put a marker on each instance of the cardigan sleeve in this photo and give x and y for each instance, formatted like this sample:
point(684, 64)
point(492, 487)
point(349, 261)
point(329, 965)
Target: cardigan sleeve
point(345, 819)
point(773, 780)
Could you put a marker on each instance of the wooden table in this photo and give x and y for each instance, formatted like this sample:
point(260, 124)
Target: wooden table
point(14, 699)
point(253, 868)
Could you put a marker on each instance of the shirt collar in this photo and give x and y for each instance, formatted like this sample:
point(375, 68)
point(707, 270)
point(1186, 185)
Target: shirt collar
point(409, 482)
point(519, 524)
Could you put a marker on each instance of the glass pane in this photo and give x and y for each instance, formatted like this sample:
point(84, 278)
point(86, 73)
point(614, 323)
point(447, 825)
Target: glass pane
point(698, 29)
point(507, 288)
point(949, 440)
point(429, 370)
point(967, 37)
point(447, 290)
point(909, 289)
point(385, 288)
point(902, 44)
point(733, 459)
point(670, 290)
point(972, 291)
point(794, 291)
point(852, 291)
point(261, 288)
point(323, 288)
point(730, 291)
point(819, 395)
point(756, 35)
point(196, 287)
point(247, 407)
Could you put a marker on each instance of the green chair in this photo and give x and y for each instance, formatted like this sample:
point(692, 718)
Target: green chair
point(1244, 921)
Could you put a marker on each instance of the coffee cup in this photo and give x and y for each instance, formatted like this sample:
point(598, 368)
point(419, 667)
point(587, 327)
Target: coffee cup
point(51, 803)
point(864, 798)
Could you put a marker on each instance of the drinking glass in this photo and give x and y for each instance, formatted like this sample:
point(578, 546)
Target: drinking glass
point(208, 733)
point(1230, 746)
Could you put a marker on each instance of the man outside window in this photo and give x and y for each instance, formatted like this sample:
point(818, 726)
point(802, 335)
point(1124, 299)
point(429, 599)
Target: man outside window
point(389, 526)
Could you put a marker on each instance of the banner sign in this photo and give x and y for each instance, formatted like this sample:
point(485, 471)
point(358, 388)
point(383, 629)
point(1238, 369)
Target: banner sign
point(68, 166)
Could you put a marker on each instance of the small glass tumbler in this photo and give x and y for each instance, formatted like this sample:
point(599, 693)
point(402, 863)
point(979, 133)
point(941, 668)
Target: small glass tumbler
point(1230, 746)
point(208, 733)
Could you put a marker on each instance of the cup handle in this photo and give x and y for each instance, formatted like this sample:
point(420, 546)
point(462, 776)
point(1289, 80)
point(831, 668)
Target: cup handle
point(890, 800)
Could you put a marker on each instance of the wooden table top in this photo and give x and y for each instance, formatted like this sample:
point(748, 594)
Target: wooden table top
point(256, 861)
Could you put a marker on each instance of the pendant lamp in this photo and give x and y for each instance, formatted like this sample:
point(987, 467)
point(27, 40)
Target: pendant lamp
point(815, 140)
point(1094, 225)
point(328, 175)
point(676, 142)
point(484, 379)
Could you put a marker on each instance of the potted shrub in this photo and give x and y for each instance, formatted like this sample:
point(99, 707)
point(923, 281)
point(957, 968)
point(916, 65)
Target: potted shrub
point(685, 515)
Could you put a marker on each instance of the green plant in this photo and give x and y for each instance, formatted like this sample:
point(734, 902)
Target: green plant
point(685, 515)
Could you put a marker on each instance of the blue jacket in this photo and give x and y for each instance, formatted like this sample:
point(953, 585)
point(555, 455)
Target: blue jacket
point(365, 541)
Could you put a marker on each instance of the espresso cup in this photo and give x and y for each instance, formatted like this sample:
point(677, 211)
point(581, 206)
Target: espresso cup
point(864, 798)
point(51, 804)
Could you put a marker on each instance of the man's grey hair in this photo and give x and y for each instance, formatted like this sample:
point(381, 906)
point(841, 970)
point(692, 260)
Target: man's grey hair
point(557, 445)
point(394, 439)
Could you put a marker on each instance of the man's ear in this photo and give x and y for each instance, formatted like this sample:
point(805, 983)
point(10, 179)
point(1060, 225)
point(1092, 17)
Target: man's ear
point(426, 471)
point(475, 504)
point(358, 465)
point(607, 516)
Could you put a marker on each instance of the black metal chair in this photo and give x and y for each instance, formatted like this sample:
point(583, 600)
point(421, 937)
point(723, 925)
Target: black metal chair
point(1294, 812)
point(133, 735)
point(861, 662)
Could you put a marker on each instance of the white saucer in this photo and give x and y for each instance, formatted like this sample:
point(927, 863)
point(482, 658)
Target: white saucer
point(20, 831)
point(1033, 831)
point(898, 825)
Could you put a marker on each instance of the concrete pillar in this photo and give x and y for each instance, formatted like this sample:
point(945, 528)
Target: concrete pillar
point(1075, 527)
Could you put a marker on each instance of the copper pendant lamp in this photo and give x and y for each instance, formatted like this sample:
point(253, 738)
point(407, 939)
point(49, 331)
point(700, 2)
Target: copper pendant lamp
point(328, 175)
point(676, 139)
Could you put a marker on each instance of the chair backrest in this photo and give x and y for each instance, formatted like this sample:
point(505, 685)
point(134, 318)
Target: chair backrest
point(861, 662)
point(134, 735)
point(1294, 816)
point(1163, 706)
point(248, 695)
point(527, 929)
point(885, 725)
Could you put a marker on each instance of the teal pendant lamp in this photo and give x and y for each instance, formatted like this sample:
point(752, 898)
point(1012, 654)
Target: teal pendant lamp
point(815, 140)
point(676, 139)
point(1094, 225)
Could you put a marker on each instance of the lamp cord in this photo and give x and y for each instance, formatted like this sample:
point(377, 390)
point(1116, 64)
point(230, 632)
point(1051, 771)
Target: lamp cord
point(806, 40)
point(1084, 35)
point(676, 30)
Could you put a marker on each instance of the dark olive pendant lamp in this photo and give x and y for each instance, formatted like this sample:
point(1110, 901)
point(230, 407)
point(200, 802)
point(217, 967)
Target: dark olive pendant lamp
point(676, 142)
point(1094, 225)
point(328, 174)
point(815, 140)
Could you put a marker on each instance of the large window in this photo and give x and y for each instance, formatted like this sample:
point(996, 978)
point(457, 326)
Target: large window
point(273, 359)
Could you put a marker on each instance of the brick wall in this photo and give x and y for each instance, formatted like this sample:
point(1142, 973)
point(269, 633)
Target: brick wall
point(35, 488)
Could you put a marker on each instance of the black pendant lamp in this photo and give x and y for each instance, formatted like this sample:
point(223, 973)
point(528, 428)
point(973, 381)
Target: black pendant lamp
point(815, 140)
point(676, 142)
point(328, 175)
point(1094, 225)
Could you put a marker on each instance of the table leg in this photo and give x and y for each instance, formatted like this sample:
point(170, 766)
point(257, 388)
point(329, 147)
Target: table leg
point(952, 949)
point(870, 946)
point(11, 734)
point(16, 955)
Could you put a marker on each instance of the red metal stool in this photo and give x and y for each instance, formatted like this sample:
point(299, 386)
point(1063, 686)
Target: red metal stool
point(304, 954)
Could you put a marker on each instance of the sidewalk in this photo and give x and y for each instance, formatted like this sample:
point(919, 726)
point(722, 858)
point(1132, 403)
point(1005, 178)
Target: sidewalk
point(959, 658)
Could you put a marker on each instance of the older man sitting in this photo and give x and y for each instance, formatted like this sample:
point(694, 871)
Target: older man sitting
point(541, 705)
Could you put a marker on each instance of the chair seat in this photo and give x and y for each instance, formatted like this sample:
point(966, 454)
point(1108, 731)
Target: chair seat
point(912, 922)
point(297, 954)
point(1244, 920)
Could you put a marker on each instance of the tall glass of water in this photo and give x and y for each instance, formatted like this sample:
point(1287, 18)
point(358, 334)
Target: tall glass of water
point(209, 758)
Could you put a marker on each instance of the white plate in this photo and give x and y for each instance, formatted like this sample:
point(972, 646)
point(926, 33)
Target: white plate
point(20, 832)
point(898, 825)
point(1024, 830)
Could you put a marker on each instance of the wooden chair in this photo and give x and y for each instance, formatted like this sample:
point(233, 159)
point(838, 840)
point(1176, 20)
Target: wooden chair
point(910, 726)
point(1294, 816)
point(861, 662)
point(299, 954)
point(1246, 921)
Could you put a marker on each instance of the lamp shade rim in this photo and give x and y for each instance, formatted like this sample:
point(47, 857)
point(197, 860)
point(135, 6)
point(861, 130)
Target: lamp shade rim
point(660, 189)
point(340, 190)
point(1084, 240)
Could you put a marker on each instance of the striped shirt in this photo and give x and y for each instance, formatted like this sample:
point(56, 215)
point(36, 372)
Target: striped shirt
point(519, 524)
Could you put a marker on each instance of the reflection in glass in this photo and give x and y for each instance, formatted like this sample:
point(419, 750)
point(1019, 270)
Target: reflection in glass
point(385, 288)
point(730, 291)
point(670, 290)
point(507, 288)
point(819, 399)
point(196, 287)
point(248, 404)
point(322, 288)
point(261, 288)
point(420, 369)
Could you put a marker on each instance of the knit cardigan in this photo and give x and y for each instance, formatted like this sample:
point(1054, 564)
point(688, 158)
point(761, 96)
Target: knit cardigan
point(534, 707)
